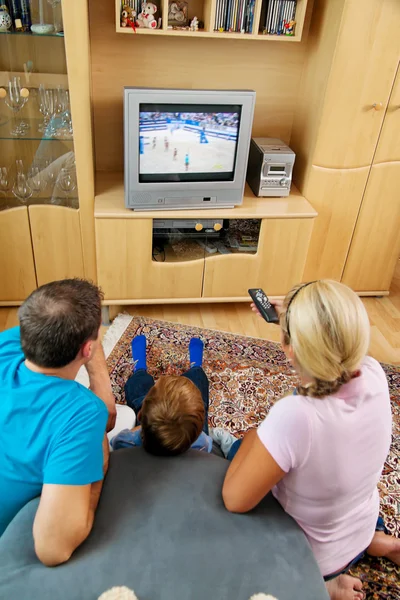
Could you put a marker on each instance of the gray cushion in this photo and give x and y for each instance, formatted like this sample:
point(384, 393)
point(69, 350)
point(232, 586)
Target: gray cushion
point(162, 530)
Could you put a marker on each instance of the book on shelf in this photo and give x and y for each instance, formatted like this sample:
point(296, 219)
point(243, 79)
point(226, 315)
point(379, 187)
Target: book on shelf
point(234, 15)
point(278, 14)
point(20, 13)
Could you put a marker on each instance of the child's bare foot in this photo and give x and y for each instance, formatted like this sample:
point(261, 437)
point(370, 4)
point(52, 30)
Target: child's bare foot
point(385, 545)
point(345, 587)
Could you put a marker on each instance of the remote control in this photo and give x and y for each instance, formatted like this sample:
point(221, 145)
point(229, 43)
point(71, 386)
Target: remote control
point(264, 306)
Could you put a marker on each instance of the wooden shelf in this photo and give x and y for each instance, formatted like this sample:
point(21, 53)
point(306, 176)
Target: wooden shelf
point(109, 204)
point(205, 10)
point(33, 80)
point(225, 35)
point(141, 31)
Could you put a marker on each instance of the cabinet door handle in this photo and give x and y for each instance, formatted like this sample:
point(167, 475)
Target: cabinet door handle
point(377, 106)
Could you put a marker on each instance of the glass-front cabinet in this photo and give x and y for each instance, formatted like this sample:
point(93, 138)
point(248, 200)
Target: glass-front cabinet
point(37, 160)
point(36, 134)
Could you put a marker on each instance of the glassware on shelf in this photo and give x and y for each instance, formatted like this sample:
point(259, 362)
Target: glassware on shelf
point(47, 109)
point(21, 189)
point(47, 168)
point(16, 98)
point(61, 110)
point(37, 179)
point(5, 180)
point(66, 180)
point(54, 106)
point(42, 28)
point(41, 98)
point(68, 117)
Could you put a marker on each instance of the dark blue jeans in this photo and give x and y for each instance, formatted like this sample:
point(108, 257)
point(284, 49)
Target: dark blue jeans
point(140, 383)
point(234, 448)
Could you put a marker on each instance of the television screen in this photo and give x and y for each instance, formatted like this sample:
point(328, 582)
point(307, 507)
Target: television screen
point(187, 142)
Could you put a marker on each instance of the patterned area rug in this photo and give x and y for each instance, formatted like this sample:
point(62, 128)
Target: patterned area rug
point(247, 375)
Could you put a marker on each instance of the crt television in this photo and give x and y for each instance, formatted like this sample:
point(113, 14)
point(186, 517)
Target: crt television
point(186, 148)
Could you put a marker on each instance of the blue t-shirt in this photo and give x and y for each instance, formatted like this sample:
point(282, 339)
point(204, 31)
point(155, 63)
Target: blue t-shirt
point(51, 431)
point(127, 438)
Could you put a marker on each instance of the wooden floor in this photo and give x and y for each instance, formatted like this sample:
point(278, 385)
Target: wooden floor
point(384, 315)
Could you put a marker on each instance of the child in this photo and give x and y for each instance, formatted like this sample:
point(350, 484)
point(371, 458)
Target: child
point(173, 412)
point(322, 449)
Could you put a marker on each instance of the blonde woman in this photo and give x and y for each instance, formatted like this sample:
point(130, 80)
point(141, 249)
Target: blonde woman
point(321, 450)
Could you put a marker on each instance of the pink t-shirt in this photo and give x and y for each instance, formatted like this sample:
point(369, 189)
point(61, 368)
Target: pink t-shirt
point(333, 451)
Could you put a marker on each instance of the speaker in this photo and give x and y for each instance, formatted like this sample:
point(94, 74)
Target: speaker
point(140, 198)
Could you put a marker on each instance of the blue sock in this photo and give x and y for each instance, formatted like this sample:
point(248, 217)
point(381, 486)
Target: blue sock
point(139, 352)
point(196, 347)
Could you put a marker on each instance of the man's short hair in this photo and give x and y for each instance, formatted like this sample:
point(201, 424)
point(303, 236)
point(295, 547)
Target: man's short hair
point(172, 416)
point(57, 318)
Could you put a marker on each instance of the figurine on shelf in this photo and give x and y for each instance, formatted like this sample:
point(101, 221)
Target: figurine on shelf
point(128, 16)
point(194, 24)
point(146, 17)
point(289, 27)
point(5, 19)
point(178, 13)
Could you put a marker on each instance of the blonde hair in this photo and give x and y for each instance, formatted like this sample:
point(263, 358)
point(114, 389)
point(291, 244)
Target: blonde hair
point(327, 326)
point(172, 416)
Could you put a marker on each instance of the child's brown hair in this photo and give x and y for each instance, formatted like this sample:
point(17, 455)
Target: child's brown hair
point(172, 416)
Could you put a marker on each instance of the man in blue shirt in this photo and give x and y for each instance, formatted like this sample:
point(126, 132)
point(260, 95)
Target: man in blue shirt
point(52, 428)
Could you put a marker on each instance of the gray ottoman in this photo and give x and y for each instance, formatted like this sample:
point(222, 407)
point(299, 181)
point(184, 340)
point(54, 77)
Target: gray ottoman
point(162, 530)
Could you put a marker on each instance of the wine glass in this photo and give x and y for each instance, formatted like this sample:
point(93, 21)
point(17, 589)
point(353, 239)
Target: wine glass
point(16, 99)
point(61, 110)
point(67, 181)
point(41, 99)
point(47, 102)
point(47, 168)
point(37, 180)
point(5, 180)
point(21, 189)
point(67, 115)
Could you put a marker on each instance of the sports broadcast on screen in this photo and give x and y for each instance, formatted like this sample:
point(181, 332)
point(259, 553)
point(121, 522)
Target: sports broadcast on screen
point(187, 143)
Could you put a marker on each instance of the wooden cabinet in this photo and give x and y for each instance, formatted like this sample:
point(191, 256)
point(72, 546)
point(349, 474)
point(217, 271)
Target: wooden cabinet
point(277, 266)
point(375, 247)
point(46, 183)
point(338, 194)
point(129, 273)
point(360, 79)
point(17, 270)
point(57, 243)
point(37, 245)
point(344, 109)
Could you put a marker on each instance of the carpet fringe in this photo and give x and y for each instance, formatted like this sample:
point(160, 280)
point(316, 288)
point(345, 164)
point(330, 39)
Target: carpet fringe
point(110, 339)
point(114, 332)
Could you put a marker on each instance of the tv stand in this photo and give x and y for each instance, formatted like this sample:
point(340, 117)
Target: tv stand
point(132, 269)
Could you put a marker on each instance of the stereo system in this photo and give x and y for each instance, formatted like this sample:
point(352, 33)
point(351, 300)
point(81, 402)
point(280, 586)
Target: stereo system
point(270, 167)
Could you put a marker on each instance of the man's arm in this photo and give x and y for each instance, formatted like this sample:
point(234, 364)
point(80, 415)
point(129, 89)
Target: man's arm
point(65, 517)
point(100, 383)
point(251, 475)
